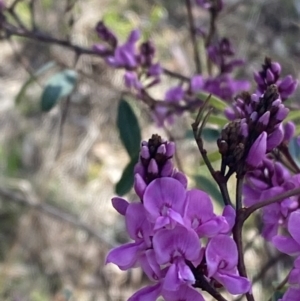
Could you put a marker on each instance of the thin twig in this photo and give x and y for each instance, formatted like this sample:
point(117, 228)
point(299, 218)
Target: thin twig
point(193, 35)
point(42, 37)
point(217, 175)
point(280, 286)
point(57, 213)
point(277, 198)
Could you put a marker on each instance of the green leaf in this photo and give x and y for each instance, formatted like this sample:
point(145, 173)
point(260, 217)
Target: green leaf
point(210, 135)
point(58, 86)
point(213, 157)
point(217, 120)
point(210, 187)
point(129, 129)
point(277, 295)
point(32, 79)
point(126, 182)
point(293, 115)
point(214, 101)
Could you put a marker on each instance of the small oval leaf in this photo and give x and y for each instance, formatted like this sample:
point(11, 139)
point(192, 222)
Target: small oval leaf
point(126, 182)
point(58, 86)
point(129, 129)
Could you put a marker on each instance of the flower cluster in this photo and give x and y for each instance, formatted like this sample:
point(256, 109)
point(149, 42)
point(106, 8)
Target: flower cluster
point(142, 71)
point(138, 62)
point(256, 129)
point(270, 74)
point(169, 227)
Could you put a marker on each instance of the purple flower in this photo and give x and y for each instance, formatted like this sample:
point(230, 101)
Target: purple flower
point(225, 86)
point(165, 202)
point(200, 216)
point(222, 258)
point(131, 81)
point(155, 161)
point(140, 230)
point(174, 247)
point(125, 56)
point(174, 94)
point(106, 34)
point(290, 245)
point(270, 74)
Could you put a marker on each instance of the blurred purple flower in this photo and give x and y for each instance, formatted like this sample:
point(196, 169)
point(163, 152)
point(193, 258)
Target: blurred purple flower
point(270, 74)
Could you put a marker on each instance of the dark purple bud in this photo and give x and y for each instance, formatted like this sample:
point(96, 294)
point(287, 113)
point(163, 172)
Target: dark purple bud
point(229, 113)
point(276, 103)
point(120, 205)
point(270, 78)
point(289, 130)
point(254, 116)
point(244, 130)
point(170, 149)
point(161, 149)
point(167, 169)
point(106, 34)
point(179, 176)
point(153, 167)
point(258, 78)
point(265, 118)
point(139, 185)
point(254, 98)
point(257, 151)
point(276, 68)
point(144, 143)
point(145, 154)
point(282, 112)
point(275, 138)
point(286, 82)
point(140, 169)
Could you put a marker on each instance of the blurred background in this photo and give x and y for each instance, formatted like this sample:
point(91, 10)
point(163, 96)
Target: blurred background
point(59, 168)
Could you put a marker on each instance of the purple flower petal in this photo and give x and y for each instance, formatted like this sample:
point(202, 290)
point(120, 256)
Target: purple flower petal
point(148, 293)
point(275, 138)
point(292, 294)
point(139, 185)
point(162, 194)
point(120, 205)
point(184, 293)
point(257, 151)
point(230, 215)
point(137, 225)
point(221, 253)
point(235, 284)
point(294, 226)
point(168, 244)
point(286, 245)
point(150, 266)
point(125, 256)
